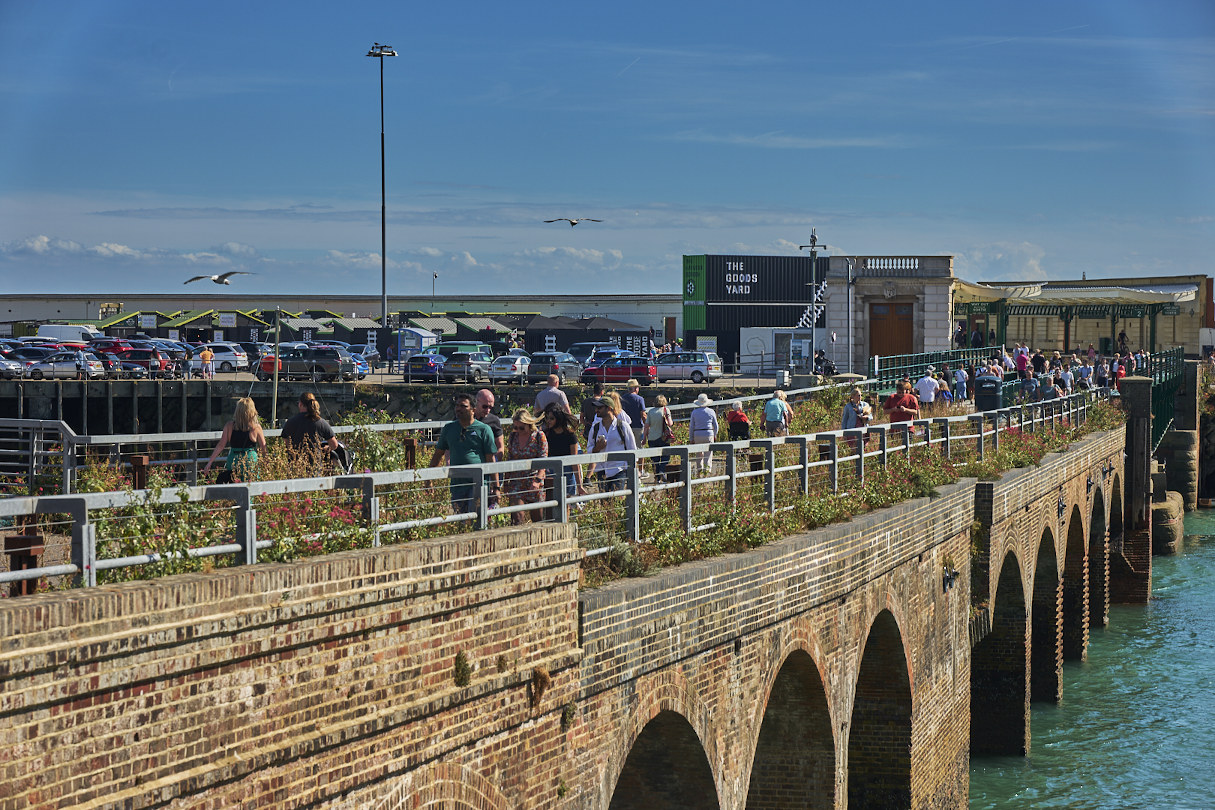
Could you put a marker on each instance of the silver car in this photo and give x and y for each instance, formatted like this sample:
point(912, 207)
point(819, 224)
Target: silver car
point(10, 369)
point(63, 366)
point(228, 356)
point(694, 366)
point(510, 368)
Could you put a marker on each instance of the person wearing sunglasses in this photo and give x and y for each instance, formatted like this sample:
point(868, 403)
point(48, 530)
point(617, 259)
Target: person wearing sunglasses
point(464, 441)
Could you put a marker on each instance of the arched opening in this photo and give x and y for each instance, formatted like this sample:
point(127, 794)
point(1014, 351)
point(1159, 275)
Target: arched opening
point(1116, 517)
point(879, 738)
point(794, 764)
point(1046, 650)
point(666, 768)
point(1098, 565)
point(1075, 590)
point(999, 672)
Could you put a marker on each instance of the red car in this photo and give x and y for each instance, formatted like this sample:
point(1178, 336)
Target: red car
point(622, 369)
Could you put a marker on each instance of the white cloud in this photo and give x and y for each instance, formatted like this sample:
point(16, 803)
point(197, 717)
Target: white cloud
point(1004, 261)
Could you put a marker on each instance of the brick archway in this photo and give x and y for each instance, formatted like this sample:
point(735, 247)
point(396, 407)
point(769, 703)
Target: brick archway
point(667, 744)
point(1075, 589)
point(1046, 631)
point(794, 760)
point(444, 786)
point(879, 735)
point(999, 672)
point(1098, 563)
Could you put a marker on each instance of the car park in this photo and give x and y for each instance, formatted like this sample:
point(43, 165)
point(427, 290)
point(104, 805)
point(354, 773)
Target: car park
point(424, 367)
point(27, 355)
point(370, 353)
point(582, 351)
point(694, 366)
point(62, 366)
point(601, 355)
point(471, 366)
point(510, 368)
point(562, 364)
point(311, 362)
point(228, 356)
point(361, 367)
point(622, 369)
point(450, 347)
point(152, 360)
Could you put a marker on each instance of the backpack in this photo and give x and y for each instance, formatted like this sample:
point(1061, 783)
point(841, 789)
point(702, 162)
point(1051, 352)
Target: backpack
point(619, 430)
point(342, 458)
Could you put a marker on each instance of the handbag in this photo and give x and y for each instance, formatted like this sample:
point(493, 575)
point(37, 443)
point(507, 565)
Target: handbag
point(668, 435)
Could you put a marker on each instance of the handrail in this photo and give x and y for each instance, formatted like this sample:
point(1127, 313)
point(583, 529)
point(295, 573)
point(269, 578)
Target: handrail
point(822, 453)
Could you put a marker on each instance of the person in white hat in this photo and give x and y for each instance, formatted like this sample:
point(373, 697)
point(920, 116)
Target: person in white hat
point(702, 429)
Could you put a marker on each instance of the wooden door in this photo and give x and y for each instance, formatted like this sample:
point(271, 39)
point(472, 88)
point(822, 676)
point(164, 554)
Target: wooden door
point(890, 329)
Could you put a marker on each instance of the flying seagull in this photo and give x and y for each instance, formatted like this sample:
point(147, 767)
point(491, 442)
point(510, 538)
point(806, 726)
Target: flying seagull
point(573, 222)
point(222, 278)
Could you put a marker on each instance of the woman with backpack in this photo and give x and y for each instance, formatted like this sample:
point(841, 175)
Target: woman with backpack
point(660, 433)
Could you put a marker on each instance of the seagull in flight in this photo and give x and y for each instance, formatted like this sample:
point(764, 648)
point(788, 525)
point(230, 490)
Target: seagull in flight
point(222, 278)
point(573, 222)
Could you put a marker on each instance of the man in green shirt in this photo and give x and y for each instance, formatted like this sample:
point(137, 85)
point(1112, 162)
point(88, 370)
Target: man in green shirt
point(464, 441)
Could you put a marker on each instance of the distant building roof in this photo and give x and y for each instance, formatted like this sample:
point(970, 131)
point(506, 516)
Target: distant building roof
point(440, 326)
point(304, 323)
point(483, 325)
point(187, 318)
point(354, 323)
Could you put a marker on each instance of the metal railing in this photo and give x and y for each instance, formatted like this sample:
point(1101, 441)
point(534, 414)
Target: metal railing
point(1165, 368)
point(32, 456)
point(110, 531)
point(886, 371)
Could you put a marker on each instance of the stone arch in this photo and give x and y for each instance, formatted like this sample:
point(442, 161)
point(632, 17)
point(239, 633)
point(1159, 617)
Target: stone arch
point(1098, 564)
point(666, 768)
point(1075, 589)
point(1046, 643)
point(999, 671)
point(794, 760)
point(879, 737)
point(1116, 515)
point(444, 786)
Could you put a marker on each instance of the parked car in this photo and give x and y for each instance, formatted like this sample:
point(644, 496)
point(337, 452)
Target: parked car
point(694, 366)
point(109, 345)
point(131, 370)
point(582, 351)
point(254, 351)
point(622, 369)
point(361, 367)
point(228, 356)
point(510, 368)
point(312, 362)
point(28, 355)
point(424, 367)
point(562, 364)
point(150, 359)
point(370, 353)
point(602, 355)
point(62, 366)
point(11, 369)
point(470, 366)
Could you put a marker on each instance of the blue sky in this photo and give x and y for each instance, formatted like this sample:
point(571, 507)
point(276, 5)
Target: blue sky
point(142, 143)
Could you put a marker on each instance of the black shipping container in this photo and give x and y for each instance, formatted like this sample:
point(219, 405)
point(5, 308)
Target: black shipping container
point(723, 318)
point(756, 279)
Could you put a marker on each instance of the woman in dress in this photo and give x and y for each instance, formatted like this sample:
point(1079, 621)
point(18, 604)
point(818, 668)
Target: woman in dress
point(243, 438)
point(526, 442)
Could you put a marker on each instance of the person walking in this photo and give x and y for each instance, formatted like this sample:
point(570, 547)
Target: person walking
point(526, 442)
point(633, 405)
point(608, 434)
point(659, 433)
point(308, 437)
point(857, 414)
point(553, 395)
point(561, 431)
point(463, 441)
point(702, 429)
point(902, 406)
point(207, 357)
point(927, 388)
point(244, 439)
point(775, 417)
point(588, 411)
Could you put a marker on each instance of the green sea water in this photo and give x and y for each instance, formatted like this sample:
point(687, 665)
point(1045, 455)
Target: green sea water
point(1136, 727)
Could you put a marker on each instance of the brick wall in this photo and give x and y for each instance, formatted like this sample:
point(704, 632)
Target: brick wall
point(288, 685)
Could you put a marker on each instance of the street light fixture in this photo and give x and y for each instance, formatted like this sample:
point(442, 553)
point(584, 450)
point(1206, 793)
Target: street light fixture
point(379, 52)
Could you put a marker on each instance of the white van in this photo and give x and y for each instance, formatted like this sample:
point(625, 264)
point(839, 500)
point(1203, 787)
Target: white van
point(68, 331)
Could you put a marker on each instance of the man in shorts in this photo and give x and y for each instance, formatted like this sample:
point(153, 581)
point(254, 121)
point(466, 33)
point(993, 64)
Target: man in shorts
point(207, 357)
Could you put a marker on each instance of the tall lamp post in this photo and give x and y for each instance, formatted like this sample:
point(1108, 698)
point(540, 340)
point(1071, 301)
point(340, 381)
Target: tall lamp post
point(379, 52)
point(816, 289)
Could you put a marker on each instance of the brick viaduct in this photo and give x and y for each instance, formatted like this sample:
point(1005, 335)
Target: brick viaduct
point(840, 668)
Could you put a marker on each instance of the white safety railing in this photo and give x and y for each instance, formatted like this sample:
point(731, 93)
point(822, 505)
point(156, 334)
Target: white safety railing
point(105, 531)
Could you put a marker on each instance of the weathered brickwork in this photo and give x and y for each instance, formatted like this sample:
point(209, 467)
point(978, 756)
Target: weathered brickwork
point(836, 668)
point(288, 685)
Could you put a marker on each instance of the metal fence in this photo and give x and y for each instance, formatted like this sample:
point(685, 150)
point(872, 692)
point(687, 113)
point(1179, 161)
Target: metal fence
point(31, 456)
point(107, 535)
point(886, 371)
point(1165, 368)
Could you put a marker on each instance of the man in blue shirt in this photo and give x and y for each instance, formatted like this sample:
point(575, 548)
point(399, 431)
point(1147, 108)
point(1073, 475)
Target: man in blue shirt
point(632, 404)
point(464, 441)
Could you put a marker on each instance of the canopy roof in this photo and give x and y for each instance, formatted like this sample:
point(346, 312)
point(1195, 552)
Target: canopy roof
point(1071, 294)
